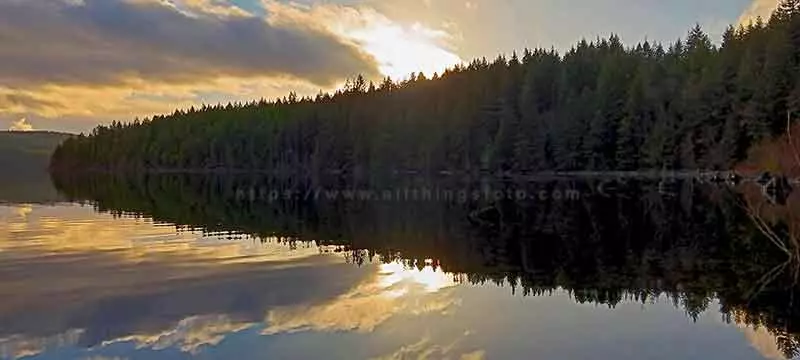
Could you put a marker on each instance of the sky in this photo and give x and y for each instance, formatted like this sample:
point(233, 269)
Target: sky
point(69, 65)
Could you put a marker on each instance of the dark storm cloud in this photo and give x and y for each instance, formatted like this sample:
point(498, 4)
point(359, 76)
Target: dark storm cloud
point(103, 41)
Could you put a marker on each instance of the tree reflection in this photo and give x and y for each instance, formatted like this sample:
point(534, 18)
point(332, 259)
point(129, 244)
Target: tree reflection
point(631, 241)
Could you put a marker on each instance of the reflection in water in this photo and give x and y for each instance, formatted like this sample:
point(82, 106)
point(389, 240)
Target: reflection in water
point(394, 290)
point(624, 273)
point(425, 349)
point(23, 211)
point(430, 279)
point(73, 277)
point(73, 230)
point(189, 293)
point(17, 346)
point(189, 335)
point(763, 341)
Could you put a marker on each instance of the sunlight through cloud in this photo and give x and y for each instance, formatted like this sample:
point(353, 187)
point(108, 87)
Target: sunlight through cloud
point(21, 125)
point(759, 8)
point(399, 49)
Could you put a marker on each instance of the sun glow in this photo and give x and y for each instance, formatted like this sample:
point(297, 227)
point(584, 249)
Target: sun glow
point(398, 48)
point(394, 290)
point(401, 50)
point(393, 274)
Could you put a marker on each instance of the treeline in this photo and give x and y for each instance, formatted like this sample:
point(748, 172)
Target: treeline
point(599, 106)
point(694, 244)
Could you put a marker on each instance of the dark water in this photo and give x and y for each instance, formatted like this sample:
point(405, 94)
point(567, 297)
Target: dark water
point(245, 267)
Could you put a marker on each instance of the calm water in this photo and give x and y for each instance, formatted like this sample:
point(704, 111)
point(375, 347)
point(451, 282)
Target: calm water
point(184, 267)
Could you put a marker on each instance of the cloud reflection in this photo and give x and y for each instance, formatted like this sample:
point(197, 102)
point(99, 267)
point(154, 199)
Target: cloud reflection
point(761, 340)
point(159, 288)
point(164, 289)
point(394, 290)
point(426, 349)
point(74, 229)
point(17, 346)
point(190, 335)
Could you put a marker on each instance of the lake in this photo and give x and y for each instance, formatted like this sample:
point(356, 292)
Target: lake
point(251, 267)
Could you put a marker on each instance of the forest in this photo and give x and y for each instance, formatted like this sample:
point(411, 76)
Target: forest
point(602, 105)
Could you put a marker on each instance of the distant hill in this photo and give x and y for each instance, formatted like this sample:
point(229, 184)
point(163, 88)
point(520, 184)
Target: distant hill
point(28, 150)
point(24, 157)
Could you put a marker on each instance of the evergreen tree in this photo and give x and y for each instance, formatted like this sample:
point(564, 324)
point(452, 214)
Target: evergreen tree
point(599, 106)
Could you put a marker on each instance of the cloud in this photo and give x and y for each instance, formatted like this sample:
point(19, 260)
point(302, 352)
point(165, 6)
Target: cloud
point(762, 8)
point(111, 41)
point(215, 7)
point(21, 125)
point(93, 61)
point(103, 60)
point(136, 97)
point(399, 48)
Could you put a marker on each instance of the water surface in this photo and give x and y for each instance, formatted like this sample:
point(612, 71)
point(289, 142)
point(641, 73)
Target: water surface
point(186, 267)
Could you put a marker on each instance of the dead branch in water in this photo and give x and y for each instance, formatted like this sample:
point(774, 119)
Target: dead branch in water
point(766, 229)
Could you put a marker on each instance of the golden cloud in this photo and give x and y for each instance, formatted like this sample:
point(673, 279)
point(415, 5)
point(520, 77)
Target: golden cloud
point(138, 98)
point(21, 125)
point(759, 8)
point(103, 60)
